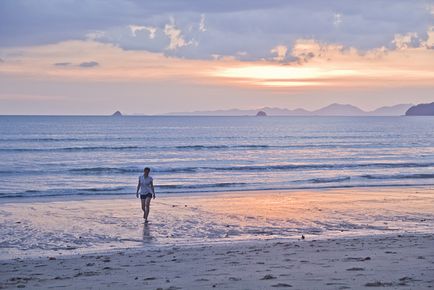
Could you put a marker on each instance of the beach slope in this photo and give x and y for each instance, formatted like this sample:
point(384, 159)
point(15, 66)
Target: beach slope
point(396, 261)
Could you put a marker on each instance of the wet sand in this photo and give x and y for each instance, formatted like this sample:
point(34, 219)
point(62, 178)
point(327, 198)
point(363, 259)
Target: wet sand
point(353, 239)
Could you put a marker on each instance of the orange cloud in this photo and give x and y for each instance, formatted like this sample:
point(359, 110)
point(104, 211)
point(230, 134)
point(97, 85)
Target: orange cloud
point(333, 65)
point(318, 65)
point(113, 63)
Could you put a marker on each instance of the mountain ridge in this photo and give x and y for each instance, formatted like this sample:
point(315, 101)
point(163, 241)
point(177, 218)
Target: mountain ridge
point(334, 109)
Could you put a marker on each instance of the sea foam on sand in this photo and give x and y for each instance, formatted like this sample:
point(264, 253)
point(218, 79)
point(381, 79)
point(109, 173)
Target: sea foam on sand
point(250, 240)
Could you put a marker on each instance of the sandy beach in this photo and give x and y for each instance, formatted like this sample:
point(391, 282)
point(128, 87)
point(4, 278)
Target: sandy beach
point(395, 261)
point(353, 239)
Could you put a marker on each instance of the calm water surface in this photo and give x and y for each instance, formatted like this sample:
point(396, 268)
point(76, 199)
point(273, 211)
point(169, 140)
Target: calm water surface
point(66, 156)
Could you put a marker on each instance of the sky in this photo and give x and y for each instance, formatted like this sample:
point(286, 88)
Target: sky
point(155, 57)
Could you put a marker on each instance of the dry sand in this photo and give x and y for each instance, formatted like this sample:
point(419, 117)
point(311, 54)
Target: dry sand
point(395, 261)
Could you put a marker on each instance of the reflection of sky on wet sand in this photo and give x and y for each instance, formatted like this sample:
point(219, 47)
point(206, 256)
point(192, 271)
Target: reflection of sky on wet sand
point(88, 225)
point(147, 236)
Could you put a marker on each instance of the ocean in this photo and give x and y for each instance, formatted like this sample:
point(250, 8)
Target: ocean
point(44, 156)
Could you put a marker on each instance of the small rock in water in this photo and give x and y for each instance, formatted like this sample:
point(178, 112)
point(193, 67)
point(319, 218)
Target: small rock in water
point(302, 237)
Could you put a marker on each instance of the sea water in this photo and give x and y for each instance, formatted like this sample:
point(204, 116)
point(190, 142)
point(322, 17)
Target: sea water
point(44, 156)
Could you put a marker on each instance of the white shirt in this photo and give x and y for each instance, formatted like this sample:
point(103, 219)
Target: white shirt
point(145, 184)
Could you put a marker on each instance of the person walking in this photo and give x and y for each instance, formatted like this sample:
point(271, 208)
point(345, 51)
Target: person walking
point(147, 192)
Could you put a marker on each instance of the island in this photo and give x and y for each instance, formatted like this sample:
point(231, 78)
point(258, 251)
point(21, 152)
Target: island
point(117, 114)
point(421, 110)
point(261, 114)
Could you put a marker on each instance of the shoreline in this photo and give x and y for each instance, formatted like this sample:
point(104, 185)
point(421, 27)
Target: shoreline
point(60, 198)
point(218, 244)
point(62, 227)
point(403, 261)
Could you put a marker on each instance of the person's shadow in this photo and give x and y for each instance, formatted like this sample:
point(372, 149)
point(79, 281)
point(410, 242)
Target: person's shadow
point(147, 237)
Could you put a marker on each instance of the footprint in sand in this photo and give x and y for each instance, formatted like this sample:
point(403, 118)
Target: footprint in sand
point(356, 269)
point(268, 277)
point(281, 285)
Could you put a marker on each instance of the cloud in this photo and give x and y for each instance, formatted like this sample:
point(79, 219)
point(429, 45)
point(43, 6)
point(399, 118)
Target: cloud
point(306, 49)
point(152, 31)
point(175, 35)
point(202, 27)
point(88, 64)
point(119, 64)
point(323, 66)
point(253, 27)
point(280, 52)
point(137, 28)
point(403, 41)
point(95, 35)
point(62, 64)
point(429, 43)
point(337, 19)
point(316, 65)
point(430, 8)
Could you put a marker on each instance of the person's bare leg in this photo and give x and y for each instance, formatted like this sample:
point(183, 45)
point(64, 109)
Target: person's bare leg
point(143, 201)
point(147, 208)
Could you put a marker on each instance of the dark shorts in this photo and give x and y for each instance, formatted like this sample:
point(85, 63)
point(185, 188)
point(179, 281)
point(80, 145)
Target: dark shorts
point(145, 196)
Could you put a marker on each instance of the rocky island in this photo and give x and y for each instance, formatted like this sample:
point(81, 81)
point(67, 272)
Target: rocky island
point(421, 110)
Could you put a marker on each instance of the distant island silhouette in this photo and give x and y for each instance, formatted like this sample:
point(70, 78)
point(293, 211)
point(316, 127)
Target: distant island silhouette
point(421, 110)
point(330, 110)
point(261, 114)
point(117, 114)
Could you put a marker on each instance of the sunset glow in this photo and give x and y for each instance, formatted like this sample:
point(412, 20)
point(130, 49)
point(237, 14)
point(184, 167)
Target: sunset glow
point(268, 72)
point(180, 63)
